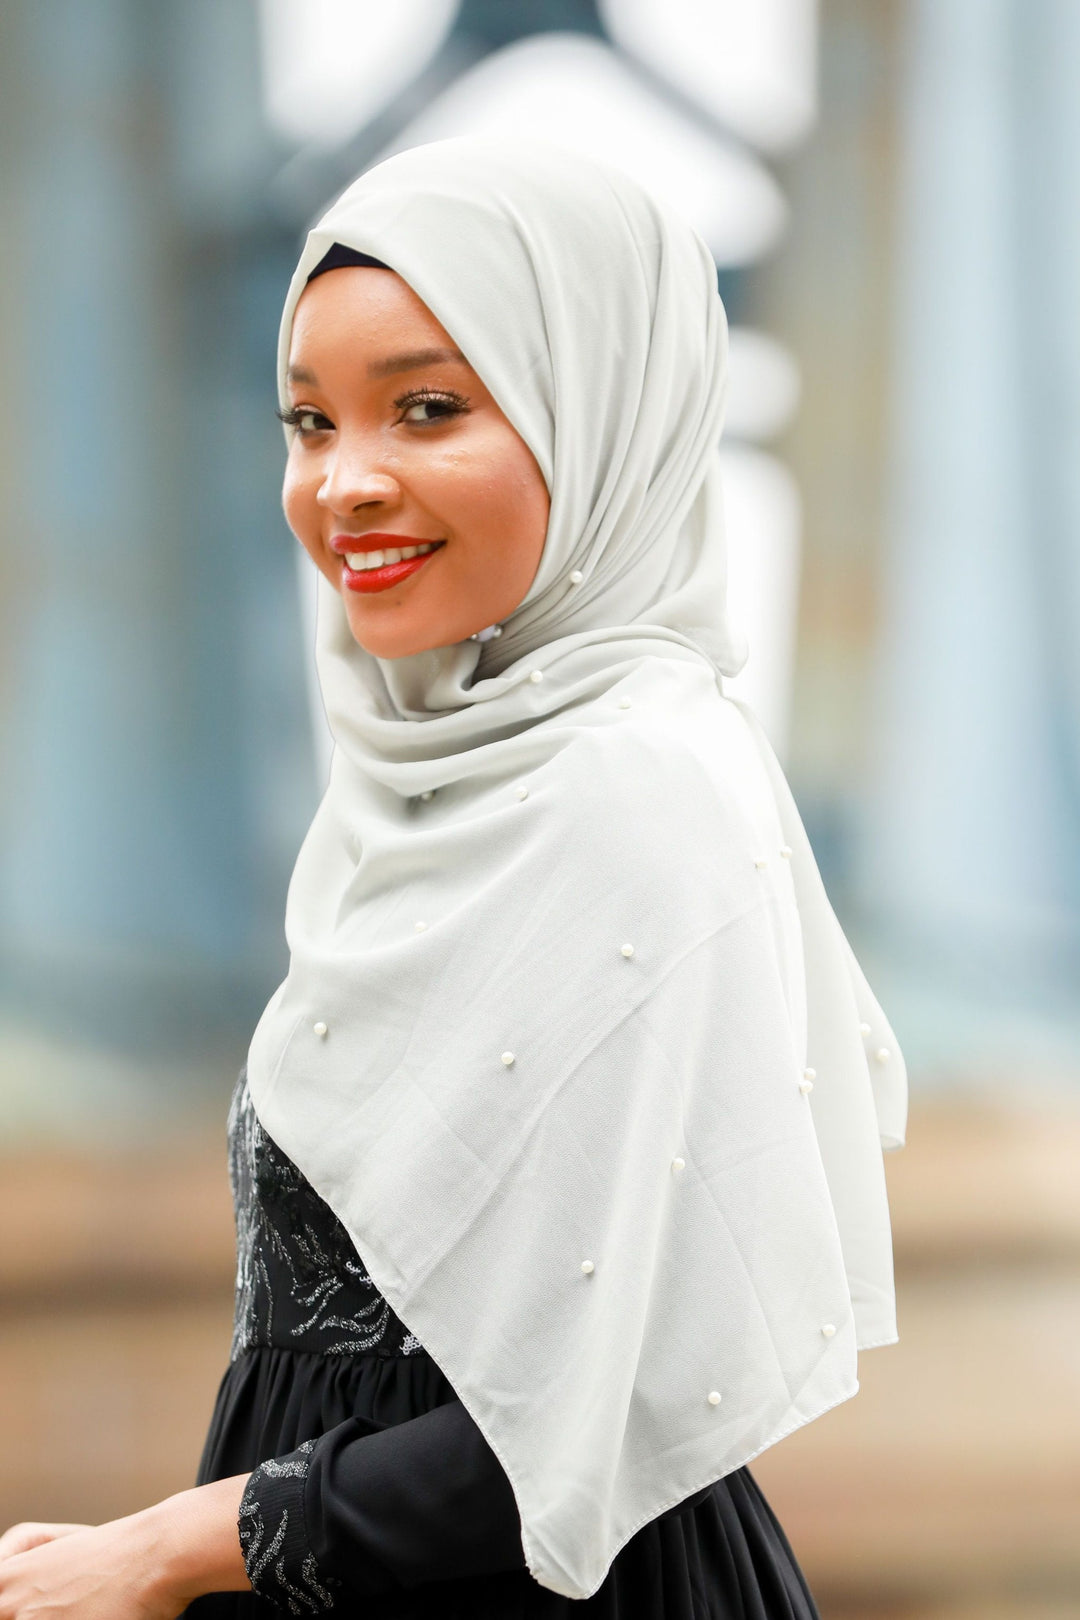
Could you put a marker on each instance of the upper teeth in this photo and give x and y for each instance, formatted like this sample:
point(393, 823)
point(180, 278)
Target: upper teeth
point(379, 559)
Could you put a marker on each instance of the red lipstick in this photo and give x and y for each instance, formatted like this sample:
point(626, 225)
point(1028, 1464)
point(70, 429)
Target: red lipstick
point(382, 578)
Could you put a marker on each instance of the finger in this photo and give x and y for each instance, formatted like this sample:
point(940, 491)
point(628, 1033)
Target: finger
point(23, 1537)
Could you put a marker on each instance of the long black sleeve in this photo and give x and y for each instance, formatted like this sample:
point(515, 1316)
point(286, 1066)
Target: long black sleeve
point(379, 1510)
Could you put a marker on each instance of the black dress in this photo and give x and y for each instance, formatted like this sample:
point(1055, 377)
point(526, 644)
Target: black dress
point(374, 1494)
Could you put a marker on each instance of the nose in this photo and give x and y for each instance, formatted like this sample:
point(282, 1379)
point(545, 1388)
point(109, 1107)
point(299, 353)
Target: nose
point(352, 481)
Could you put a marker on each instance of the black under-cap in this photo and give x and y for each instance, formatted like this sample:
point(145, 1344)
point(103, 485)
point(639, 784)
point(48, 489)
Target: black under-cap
point(338, 257)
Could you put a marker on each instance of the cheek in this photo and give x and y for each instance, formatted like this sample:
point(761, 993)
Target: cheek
point(501, 491)
point(525, 504)
point(298, 499)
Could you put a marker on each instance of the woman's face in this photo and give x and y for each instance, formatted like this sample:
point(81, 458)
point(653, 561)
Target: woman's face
point(399, 445)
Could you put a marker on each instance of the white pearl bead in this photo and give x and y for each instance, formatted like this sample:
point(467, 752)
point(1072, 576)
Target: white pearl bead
point(828, 1329)
point(760, 861)
point(428, 793)
point(420, 926)
point(714, 1397)
point(806, 1086)
point(678, 1164)
point(628, 950)
point(809, 1074)
point(536, 676)
point(576, 577)
point(883, 1054)
point(625, 703)
point(496, 630)
point(522, 791)
point(587, 1267)
point(864, 1030)
point(320, 1029)
point(785, 852)
point(508, 1058)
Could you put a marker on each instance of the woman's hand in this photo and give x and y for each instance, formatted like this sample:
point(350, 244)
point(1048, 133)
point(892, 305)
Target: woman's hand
point(89, 1574)
point(148, 1566)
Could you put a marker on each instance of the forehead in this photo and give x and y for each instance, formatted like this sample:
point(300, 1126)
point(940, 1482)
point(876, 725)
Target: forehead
point(366, 308)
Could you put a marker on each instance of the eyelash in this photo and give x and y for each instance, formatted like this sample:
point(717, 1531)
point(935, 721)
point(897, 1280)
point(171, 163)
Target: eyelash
point(457, 406)
point(457, 403)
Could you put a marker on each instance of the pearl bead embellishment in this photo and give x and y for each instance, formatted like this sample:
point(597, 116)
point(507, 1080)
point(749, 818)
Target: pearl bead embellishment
point(864, 1030)
point(760, 861)
point(420, 926)
point(714, 1397)
point(587, 1267)
point(536, 676)
point(522, 791)
point(828, 1329)
point(320, 1029)
point(628, 951)
point(806, 1086)
point(810, 1074)
point(883, 1054)
point(428, 793)
point(625, 703)
point(508, 1058)
point(576, 577)
point(785, 852)
point(678, 1164)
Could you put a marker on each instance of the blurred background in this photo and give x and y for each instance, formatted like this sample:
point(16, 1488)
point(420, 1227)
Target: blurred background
point(892, 194)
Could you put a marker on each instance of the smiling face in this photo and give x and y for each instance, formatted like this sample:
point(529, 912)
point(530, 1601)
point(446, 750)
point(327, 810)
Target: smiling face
point(398, 445)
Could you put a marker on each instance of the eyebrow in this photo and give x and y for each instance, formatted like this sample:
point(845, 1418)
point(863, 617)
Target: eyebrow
point(411, 361)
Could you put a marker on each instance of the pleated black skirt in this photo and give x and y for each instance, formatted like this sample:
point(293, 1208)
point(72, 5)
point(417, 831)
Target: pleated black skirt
point(722, 1556)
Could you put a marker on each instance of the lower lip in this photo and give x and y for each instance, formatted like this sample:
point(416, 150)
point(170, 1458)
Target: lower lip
point(381, 579)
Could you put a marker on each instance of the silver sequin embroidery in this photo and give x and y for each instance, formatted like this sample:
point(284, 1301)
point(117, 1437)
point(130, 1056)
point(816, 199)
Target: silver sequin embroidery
point(299, 1280)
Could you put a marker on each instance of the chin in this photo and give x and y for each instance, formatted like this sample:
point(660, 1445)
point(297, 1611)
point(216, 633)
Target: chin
point(393, 641)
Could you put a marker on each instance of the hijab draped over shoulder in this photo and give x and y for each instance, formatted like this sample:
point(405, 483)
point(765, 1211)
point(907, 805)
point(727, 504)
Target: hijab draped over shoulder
point(571, 1039)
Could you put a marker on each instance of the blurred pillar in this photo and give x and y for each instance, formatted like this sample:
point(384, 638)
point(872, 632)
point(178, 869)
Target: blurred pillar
point(970, 853)
point(130, 855)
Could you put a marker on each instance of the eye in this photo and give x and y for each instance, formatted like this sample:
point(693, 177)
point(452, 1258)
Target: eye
point(424, 406)
point(305, 420)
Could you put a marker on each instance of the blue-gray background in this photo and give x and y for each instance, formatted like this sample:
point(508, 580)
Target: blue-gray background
point(158, 769)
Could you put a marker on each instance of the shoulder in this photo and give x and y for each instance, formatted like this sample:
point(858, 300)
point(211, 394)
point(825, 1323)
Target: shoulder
point(660, 792)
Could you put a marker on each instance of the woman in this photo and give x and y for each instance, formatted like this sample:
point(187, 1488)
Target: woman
point(557, 1155)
